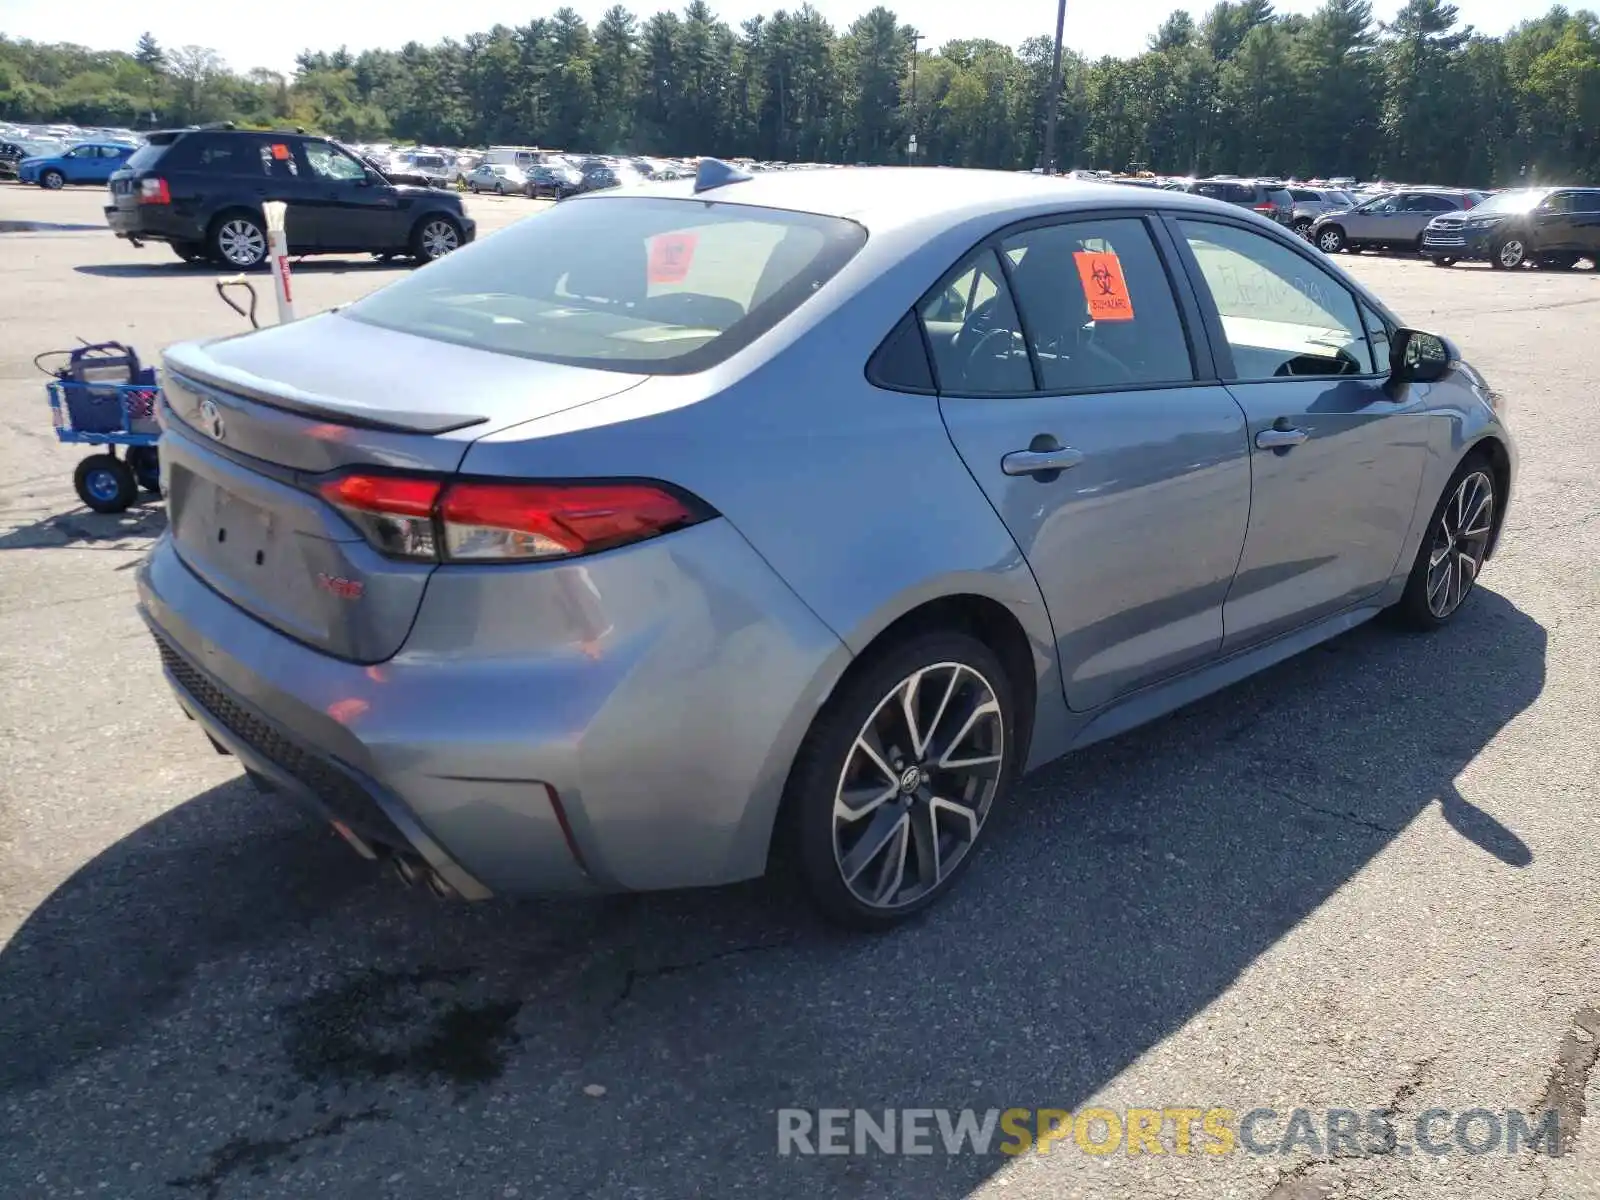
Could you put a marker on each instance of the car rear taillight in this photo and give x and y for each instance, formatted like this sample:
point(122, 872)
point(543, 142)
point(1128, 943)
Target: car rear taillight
point(1266, 209)
point(154, 191)
point(395, 512)
point(482, 521)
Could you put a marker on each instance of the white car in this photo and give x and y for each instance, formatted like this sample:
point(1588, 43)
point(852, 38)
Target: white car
point(499, 178)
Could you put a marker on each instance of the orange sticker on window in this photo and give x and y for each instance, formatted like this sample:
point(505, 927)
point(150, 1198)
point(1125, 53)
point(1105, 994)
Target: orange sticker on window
point(670, 256)
point(280, 151)
point(1103, 286)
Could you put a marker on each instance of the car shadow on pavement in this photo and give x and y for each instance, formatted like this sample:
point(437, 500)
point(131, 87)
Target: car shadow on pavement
point(306, 266)
point(277, 980)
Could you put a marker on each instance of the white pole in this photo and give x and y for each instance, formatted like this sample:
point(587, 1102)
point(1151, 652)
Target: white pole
point(278, 248)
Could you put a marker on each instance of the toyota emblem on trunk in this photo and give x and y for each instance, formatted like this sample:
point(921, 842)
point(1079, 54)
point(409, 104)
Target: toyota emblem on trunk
point(211, 419)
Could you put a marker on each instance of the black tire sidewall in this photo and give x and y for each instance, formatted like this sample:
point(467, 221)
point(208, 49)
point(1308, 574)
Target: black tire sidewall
point(128, 486)
point(1412, 610)
point(807, 825)
point(214, 241)
point(417, 249)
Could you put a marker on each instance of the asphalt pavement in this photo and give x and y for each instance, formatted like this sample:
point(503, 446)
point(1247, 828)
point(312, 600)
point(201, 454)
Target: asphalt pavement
point(1366, 878)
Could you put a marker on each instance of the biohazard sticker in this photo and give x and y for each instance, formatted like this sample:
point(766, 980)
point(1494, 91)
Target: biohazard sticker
point(670, 257)
point(280, 151)
point(1103, 286)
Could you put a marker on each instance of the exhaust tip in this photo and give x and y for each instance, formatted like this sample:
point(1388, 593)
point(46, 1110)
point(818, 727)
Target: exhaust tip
point(406, 870)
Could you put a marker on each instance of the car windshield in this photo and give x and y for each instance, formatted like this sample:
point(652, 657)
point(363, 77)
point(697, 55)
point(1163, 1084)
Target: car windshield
point(1511, 202)
point(639, 284)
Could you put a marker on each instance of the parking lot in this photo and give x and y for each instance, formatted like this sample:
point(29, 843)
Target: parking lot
point(1365, 878)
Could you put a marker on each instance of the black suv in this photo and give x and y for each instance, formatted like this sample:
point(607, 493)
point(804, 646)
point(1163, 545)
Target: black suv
point(201, 191)
point(1549, 227)
point(1271, 200)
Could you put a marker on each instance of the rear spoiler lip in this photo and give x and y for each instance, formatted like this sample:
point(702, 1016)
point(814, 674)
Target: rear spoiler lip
point(183, 367)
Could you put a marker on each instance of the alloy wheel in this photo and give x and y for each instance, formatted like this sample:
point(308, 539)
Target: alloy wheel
point(53, 180)
point(242, 243)
point(439, 238)
point(1330, 242)
point(1512, 252)
point(1460, 542)
point(917, 785)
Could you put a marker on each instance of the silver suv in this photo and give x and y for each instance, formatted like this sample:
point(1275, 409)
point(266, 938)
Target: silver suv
point(1312, 202)
point(1393, 221)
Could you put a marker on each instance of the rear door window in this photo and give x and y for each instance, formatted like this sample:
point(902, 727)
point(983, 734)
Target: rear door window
point(647, 285)
point(1098, 306)
point(973, 331)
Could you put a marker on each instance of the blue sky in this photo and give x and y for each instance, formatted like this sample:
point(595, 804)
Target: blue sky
point(269, 35)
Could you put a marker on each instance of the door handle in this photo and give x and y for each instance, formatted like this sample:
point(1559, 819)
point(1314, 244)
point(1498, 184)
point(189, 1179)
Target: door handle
point(1039, 462)
point(1280, 439)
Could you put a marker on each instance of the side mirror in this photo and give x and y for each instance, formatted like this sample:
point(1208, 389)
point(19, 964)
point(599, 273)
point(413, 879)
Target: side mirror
point(1418, 357)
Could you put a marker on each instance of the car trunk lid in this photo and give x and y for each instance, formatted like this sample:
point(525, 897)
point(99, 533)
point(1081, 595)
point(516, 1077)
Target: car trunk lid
point(254, 425)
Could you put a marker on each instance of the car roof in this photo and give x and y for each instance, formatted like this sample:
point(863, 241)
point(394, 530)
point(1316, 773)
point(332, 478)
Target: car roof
point(888, 197)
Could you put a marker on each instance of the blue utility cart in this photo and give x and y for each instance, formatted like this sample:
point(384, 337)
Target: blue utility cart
point(102, 397)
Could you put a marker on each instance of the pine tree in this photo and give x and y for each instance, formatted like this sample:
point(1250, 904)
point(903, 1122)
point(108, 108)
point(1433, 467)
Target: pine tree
point(149, 53)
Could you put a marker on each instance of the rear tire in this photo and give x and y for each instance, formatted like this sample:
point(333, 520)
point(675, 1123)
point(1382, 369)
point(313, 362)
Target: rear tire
point(52, 181)
point(1453, 548)
point(190, 252)
point(238, 239)
point(105, 483)
point(916, 820)
point(1557, 262)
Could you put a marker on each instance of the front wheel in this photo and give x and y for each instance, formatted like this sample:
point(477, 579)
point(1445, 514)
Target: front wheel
point(1452, 550)
point(1443, 262)
point(1511, 253)
point(105, 483)
point(897, 777)
point(52, 181)
point(1330, 240)
point(434, 238)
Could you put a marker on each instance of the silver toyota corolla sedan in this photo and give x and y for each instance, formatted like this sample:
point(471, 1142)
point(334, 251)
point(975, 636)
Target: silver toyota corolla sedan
point(678, 532)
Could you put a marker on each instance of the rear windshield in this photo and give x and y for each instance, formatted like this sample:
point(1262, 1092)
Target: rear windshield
point(647, 285)
point(147, 155)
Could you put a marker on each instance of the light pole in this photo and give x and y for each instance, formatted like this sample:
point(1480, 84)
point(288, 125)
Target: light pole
point(1055, 93)
point(911, 146)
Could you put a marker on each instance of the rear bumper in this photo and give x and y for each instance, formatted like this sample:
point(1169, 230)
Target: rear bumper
point(624, 722)
point(152, 223)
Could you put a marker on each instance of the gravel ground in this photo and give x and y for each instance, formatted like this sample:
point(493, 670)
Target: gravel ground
point(1365, 879)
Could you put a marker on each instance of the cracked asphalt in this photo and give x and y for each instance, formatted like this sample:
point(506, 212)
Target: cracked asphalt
point(1365, 879)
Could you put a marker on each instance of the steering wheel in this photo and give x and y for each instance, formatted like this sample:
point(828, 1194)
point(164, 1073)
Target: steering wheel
point(996, 343)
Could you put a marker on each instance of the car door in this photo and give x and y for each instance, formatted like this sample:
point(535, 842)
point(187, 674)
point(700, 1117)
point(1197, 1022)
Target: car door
point(1337, 450)
point(1586, 222)
point(283, 176)
point(1370, 222)
point(1553, 224)
point(1097, 429)
point(1415, 212)
point(356, 209)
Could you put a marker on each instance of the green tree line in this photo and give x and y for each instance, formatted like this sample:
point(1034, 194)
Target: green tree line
point(1238, 88)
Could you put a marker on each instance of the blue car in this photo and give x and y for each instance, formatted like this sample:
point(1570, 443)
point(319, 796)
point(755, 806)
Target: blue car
point(87, 162)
